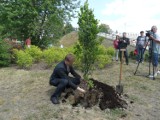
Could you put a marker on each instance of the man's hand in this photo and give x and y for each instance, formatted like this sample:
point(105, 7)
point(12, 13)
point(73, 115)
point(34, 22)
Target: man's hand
point(151, 37)
point(81, 90)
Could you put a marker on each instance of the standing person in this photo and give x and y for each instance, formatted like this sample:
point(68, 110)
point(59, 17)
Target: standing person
point(115, 43)
point(28, 42)
point(140, 45)
point(123, 43)
point(155, 39)
point(61, 80)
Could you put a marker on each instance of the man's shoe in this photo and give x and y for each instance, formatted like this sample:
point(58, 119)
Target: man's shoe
point(155, 75)
point(54, 100)
point(158, 72)
point(152, 76)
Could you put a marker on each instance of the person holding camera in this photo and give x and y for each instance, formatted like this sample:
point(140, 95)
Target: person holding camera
point(140, 45)
point(123, 43)
point(155, 39)
point(61, 79)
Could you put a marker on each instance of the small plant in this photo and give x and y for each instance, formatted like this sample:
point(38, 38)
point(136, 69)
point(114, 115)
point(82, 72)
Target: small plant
point(90, 84)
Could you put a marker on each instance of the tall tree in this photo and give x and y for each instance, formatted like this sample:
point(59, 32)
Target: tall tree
point(88, 29)
point(68, 28)
point(42, 20)
point(104, 28)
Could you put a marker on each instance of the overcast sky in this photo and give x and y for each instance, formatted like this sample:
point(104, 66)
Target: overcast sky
point(126, 15)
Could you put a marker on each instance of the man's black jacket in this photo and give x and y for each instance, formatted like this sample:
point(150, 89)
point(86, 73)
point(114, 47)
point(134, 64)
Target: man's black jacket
point(122, 44)
point(61, 72)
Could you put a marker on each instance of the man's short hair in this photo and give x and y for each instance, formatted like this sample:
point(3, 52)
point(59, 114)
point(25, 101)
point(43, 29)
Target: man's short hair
point(69, 57)
point(153, 27)
point(124, 32)
point(142, 32)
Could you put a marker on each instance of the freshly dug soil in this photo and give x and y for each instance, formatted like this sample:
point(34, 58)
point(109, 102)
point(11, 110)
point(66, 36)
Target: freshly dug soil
point(101, 94)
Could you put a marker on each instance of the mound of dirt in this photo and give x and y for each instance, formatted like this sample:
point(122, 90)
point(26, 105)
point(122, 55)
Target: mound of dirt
point(101, 94)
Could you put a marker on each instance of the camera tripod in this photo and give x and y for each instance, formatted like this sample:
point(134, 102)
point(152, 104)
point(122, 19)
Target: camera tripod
point(150, 58)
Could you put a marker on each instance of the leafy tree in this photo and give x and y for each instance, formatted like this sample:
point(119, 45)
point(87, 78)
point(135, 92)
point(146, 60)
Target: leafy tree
point(104, 28)
point(42, 20)
point(68, 28)
point(5, 56)
point(88, 29)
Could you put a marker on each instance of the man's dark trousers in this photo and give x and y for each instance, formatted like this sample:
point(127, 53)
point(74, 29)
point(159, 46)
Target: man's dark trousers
point(125, 55)
point(61, 84)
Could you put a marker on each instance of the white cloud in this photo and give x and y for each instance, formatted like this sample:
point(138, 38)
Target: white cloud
point(135, 15)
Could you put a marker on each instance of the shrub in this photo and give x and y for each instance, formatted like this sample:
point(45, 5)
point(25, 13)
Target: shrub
point(53, 55)
point(24, 59)
point(110, 51)
point(146, 56)
point(35, 52)
point(103, 60)
point(132, 55)
point(103, 56)
point(102, 50)
point(5, 55)
point(69, 49)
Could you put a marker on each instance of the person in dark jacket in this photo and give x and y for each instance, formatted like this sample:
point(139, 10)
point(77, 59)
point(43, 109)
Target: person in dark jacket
point(61, 79)
point(123, 43)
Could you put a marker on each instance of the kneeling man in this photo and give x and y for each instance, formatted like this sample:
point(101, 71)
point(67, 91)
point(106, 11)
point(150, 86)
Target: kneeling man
point(61, 79)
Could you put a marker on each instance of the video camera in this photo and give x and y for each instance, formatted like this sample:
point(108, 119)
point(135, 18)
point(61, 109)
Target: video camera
point(149, 33)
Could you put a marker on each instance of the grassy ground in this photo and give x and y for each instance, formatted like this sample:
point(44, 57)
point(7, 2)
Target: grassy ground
point(25, 94)
point(69, 39)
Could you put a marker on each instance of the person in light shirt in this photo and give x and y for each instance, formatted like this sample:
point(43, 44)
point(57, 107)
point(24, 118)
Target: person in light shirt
point(155, 49)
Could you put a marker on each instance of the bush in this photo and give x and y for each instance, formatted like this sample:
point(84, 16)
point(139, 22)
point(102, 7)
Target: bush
point(103, 60)
point(23, 59)
point(35, 53)
point(5, 55)
point(132, 55)
point(110, 51)
point(102, 50)
point(53, 55)
point(104, 56)
point(146, 56)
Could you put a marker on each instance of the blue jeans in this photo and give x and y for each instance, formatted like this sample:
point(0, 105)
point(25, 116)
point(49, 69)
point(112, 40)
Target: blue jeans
point(155, 59)
point(61, 84)
point(140, 54)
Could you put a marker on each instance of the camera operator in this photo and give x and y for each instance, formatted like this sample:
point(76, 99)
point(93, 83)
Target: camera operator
point(155, 49)
point(123, 43)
